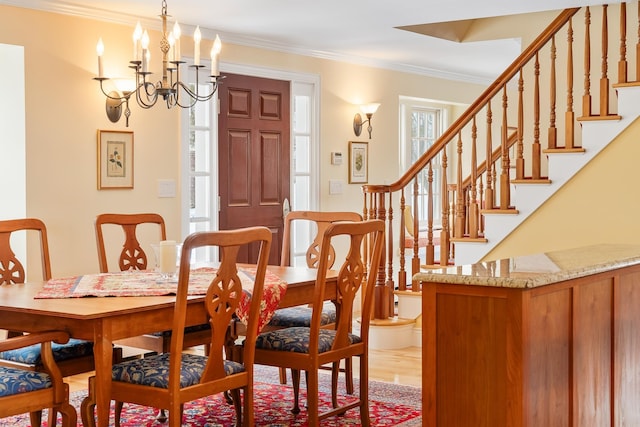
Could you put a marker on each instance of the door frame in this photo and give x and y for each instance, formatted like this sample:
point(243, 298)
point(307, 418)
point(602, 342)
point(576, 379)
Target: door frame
point(293, 78)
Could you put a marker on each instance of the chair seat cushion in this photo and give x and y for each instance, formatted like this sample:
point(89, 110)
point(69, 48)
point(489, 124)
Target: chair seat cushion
point(301, 316)
point(153, 370)
point(297, 340)
point(31, 355)
point(14, 381)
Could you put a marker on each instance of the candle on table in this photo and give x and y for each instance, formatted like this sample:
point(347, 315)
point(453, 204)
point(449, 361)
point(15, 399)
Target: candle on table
point(168, 256)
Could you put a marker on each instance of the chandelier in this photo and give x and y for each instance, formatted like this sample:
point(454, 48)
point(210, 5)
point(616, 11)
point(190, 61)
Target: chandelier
point(172, 90)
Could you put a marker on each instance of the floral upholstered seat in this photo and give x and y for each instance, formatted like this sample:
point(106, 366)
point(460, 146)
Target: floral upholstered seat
point(14, 381)
point(31, 355)
point(153, 370)
point(297, 340)
point(301, 316)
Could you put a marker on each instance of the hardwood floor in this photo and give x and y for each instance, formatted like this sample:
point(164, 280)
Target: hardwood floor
point(403, 366)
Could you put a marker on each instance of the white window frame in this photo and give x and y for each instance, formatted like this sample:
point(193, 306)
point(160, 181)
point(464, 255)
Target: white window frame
point(409, 106)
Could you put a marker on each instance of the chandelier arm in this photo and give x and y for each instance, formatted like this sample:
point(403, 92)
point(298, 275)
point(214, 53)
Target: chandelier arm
point(195, 95)
point(151, 97)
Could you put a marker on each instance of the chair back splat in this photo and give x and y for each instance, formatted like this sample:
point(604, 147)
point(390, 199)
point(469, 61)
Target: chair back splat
point(132, 256)
point(11, 269)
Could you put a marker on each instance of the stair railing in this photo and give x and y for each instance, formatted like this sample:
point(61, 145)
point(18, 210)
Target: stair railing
point(477, 168)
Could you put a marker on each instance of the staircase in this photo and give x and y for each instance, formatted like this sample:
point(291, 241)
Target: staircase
point(486, 194)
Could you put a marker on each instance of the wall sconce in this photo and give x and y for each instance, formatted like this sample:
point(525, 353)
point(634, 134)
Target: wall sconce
point(115, 99)
point(368, 110)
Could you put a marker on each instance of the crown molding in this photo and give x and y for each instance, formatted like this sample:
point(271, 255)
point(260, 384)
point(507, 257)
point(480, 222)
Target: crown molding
point(130, 20)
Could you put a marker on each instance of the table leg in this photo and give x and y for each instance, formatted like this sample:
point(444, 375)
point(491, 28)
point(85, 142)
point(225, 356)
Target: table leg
point(103, 351)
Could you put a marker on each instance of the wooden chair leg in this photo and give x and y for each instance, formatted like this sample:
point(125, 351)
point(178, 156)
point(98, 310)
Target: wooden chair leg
point(348, 375)
point(35, 418)
point(52, 418)
point(295, 380)
point(88, 405)
point(118, 412)
point(237, 405)
point(335, 370)
point(283, 375)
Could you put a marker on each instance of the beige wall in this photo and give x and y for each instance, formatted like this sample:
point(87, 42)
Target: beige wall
point(64, 109)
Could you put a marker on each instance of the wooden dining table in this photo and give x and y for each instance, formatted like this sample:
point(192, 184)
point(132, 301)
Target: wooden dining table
point(104, 320)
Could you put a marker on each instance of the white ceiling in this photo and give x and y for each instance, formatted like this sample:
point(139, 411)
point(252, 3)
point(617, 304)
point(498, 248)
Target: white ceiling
point(359, 31)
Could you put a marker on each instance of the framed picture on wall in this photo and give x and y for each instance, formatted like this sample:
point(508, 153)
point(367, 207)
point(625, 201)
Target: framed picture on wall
point(115, 159)
point(358, 162)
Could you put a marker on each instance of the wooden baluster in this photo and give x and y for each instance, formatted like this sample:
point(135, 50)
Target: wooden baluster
point(505, 190)
point(382, 296)
point(402, 273)
point(473, 205)
point(520, 132)
point(586, 97)
point(480, 197)
point(444, 234)
point(415, 261)
point(622, 63)
point(494, 168)
point(458, 230)
point(569, 117)
point(489, 201)
point(604, 78)
point(430, 251)
point(552, 135)
point(391, 284)
point(536, 152)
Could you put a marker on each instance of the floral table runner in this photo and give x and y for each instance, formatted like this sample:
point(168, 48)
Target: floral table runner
point(147, 283)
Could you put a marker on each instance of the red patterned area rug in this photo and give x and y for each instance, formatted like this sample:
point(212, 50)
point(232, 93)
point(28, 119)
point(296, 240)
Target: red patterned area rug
point(389, 405)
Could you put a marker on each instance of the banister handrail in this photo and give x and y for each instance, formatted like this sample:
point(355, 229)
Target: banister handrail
point(463, 206)
point(479, 103)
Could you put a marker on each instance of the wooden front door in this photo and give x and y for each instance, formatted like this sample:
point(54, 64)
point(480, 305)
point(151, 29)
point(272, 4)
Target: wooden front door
point(254, 156)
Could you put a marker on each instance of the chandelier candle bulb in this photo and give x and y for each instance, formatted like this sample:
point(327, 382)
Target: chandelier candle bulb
point(137, 35)
point(145, 49)
point(168, 256)
point(176, 35)
point(215, 52)
point(197, 37)
point(100, 51)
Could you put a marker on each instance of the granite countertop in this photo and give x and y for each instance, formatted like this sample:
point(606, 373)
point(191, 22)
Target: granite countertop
point(542, 269)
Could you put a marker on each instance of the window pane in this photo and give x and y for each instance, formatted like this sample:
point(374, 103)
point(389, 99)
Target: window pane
point(200, 156)
point(301, 199)
point(200, 111)
point(200, 191)
point(301, 114)
point(301, 154)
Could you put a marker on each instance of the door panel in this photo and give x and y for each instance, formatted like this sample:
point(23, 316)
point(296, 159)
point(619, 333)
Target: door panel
point(254, 155)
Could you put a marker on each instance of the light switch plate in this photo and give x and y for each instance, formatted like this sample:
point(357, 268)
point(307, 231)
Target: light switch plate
point(335, 186)
point(166, 188)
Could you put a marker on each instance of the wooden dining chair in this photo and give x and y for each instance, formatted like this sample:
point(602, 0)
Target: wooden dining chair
point(308, 348)
point(169, 380)
point(29, 391)
point(133, 257)
point(74, 356)
point(301, 315)
point(314, 222)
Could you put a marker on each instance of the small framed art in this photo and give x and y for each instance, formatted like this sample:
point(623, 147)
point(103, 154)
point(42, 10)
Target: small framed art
point(358, 162)
point(115, 159)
